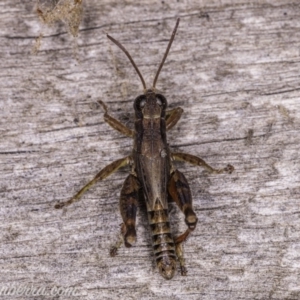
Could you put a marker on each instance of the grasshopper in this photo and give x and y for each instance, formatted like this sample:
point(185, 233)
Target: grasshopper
point(153, 174)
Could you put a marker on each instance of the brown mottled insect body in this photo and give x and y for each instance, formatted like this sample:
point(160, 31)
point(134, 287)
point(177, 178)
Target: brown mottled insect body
point(152, 166)
point(153, 173)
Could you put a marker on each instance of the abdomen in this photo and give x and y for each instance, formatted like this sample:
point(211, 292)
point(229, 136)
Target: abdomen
point(162, 240)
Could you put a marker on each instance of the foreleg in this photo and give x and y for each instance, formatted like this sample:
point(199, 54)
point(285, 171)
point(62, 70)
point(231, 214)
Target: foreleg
point(114, 123)
point(173, 116)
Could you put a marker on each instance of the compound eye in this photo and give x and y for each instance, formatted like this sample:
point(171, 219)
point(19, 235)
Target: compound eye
point(142, 103)
point(161, 100)
point(158, 101)
point(139, 102)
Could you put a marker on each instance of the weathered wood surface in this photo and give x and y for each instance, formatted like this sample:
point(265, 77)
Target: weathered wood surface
point(237, 76)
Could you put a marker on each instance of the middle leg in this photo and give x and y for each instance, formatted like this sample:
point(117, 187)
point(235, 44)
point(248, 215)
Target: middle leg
point(105, 172)
point(194, 160)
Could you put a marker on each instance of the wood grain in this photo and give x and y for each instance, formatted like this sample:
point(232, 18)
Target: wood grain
point(236, 74)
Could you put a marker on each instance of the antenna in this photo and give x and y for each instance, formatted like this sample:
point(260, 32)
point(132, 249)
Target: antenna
point(166, 53)
point(161, 64)
point(130, 58)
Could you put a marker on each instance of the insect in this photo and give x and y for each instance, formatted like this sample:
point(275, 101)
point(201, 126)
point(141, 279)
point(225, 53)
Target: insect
point(152, 174)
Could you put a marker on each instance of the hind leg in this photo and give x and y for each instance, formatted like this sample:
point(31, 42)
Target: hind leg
point(128, 207)
point(179, 191)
